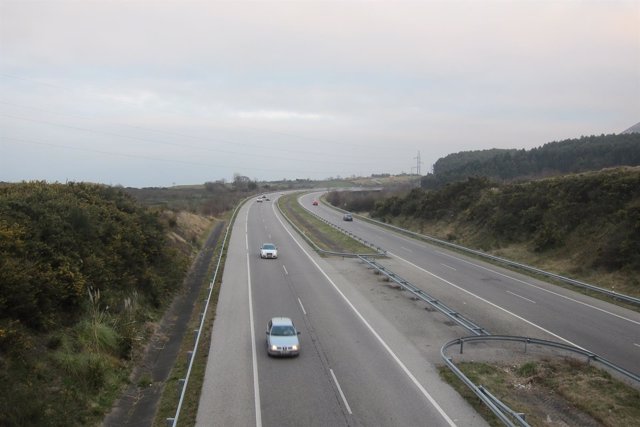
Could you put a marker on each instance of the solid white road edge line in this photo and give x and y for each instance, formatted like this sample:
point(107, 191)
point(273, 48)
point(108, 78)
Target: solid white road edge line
point(256, 384)
point(543, 289)
point(402, 366)
point(344, 399)
point(485, 301)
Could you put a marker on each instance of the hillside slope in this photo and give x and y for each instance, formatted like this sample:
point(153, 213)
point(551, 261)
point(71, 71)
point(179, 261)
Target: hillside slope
point(83, 269)
point(583, 225)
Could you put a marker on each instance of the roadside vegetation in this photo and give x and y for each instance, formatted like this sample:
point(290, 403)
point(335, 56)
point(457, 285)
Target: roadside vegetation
point(322, 234)
point(555, 392)
point(585, 226)
point(171, 392)
point(84, 271)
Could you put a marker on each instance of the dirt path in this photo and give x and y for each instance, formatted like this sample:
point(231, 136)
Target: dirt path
point(137, 405)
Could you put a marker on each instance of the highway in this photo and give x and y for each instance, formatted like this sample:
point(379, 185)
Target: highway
point(358, 365)
point(368, 352)
point(503, 301)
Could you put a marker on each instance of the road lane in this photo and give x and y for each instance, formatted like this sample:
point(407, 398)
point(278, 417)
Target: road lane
point(294, 391)
point(227, 396)
point(355, 368)
point(593, 324)
point(341, 345)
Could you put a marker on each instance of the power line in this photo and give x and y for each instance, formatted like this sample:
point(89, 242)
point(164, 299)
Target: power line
point(113, 153)
point(180, 145)
point(338, 143)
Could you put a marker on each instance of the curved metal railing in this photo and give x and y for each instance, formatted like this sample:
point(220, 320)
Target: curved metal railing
point(503, 412)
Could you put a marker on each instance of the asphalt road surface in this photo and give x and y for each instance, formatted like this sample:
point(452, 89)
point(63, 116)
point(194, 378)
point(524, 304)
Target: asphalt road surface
point(367, 353)
point(500, 300)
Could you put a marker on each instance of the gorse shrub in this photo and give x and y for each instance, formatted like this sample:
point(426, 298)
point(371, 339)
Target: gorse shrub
point(82, 269)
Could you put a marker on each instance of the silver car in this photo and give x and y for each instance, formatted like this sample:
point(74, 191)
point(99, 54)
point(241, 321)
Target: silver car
point(282, 337)
point(268, 250)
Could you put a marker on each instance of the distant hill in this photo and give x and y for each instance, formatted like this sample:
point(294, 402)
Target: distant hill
point(555, 158)
point(633, 129)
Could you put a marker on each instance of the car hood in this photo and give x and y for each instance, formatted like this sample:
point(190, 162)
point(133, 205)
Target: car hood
point(287, 341)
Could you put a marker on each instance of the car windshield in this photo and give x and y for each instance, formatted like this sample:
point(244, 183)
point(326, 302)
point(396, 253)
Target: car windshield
point(283, 331)
point(268, 247)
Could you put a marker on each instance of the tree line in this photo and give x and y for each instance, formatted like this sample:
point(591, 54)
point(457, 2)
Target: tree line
point(555, 158)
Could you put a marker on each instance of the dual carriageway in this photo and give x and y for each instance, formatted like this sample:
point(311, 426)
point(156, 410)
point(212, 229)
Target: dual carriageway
point(369, 354)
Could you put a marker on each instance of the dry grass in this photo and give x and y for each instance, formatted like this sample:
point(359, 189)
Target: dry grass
point(322, 234)
point(560, 261)
point(555, 392)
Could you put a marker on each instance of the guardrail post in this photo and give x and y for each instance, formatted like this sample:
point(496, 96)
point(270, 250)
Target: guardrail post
point(170, 421)
point(461, 346)
point(189, 356)
point(181, 382)
point(195, 335)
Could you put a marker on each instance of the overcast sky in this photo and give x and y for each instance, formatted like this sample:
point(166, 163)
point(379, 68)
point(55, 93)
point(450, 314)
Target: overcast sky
point(156, 93)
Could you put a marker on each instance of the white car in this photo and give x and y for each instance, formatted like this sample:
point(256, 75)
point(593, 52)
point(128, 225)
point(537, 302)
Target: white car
point(282, 337)
point(268, 250)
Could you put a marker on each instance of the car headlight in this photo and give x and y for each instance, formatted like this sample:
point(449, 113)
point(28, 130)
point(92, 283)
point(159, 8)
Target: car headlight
point(294, 347)
point(274, 347)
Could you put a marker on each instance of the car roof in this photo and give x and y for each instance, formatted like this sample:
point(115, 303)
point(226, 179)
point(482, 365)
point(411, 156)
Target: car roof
point(281, 321)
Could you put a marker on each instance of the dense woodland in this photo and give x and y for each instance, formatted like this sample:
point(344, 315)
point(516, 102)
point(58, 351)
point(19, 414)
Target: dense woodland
point(555, 158)
point(82, 268)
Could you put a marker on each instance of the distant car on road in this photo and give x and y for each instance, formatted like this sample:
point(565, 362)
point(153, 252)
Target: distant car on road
point(259, 200)
point(347, 217)
point(282, 337)
point(268, 250)
point(315, 203)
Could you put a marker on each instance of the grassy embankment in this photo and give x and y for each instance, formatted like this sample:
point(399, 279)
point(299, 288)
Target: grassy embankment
point(583, 226)
point(171, 392)
point(551, 392)
point(85, 272)
point(322, 234)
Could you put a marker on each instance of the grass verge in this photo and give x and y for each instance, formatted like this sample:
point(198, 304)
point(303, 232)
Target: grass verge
point(322, 234)
point(171, 391)
point(551, 392)
point(518, 253)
